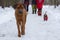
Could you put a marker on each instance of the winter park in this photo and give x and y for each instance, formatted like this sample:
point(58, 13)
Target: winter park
point(32, 22)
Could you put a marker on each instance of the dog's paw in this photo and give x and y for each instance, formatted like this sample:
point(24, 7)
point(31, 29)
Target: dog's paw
point(19, 35)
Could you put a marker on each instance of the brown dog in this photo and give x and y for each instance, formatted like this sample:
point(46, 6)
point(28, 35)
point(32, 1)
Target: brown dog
point(20, 14)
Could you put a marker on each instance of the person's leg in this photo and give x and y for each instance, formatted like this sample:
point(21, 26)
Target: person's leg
point(35, 9)
point(32, 9)
point(27, 8)
point(39, 12)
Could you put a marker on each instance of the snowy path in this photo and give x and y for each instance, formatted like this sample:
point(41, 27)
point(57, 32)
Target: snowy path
point(36, 28)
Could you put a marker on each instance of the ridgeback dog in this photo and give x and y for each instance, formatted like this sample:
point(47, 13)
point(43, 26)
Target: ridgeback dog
point(20, 15)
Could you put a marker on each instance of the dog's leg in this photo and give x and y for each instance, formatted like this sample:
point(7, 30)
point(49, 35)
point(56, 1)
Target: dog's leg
point(25, 18)
point(19, 34)
point(23, 28)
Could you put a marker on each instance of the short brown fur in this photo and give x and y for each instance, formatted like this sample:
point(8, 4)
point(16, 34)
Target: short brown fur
point(20, 19)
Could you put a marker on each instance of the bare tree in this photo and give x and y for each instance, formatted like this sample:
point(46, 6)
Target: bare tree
point(2, 3)
point(56, 3)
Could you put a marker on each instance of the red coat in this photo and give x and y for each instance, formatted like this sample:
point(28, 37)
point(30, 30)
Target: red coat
point(39, 3)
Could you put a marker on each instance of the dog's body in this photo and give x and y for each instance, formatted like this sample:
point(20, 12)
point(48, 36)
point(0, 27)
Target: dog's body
point(20, 19)
point(45, 17)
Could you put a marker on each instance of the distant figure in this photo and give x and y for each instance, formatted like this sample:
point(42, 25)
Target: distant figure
point(40, 6)
point(33, 6)
point(26, 4)
point(30, 8)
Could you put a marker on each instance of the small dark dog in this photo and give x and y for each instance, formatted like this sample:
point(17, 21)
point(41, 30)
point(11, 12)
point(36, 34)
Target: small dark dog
point(45, 17)
point(21, 15)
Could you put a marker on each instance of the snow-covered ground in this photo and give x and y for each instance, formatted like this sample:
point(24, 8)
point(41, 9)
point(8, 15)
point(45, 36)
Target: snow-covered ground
point(36, 27)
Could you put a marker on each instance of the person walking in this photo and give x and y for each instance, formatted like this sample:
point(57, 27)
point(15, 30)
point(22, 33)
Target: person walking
point(40, 6)
point(26, 4)
point(33, 6)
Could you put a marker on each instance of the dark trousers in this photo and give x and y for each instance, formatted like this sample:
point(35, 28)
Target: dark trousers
point(33, 9)
point(26, 7)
